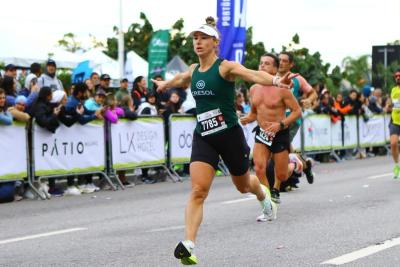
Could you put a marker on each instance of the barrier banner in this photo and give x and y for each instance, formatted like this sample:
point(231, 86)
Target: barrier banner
point(350, 132)
point(13, 152)
point(317, 133)
point(138, 143)
point(349, 136)
point(250, 135)
point(180, 138)
point(372, 132)
point(388, 117)
point(75, 149)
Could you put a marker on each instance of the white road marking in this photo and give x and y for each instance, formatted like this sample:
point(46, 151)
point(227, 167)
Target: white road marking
point(12, 240)
point(166, 229)
point(363, 252)
point(251, 197)
point(380, 176)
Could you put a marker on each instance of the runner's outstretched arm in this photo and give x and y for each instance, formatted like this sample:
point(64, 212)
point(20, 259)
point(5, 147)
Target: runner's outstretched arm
point(237, 70)
point(181, 80)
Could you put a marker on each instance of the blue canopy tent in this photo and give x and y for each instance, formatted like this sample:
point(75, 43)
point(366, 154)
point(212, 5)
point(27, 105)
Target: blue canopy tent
point(82, 72)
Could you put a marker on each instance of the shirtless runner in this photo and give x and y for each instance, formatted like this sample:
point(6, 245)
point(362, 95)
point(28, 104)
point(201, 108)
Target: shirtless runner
point(268, 106)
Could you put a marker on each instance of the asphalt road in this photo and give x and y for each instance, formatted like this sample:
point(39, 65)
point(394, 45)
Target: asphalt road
point(352, 206)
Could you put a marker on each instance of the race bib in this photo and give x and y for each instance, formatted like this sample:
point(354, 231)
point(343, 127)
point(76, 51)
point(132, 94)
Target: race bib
point(211, 122)
point(263, 137)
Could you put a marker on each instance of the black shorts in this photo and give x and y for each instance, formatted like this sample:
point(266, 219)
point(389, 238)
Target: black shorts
point(394, 129)
point(231, 145)
point(280, 142)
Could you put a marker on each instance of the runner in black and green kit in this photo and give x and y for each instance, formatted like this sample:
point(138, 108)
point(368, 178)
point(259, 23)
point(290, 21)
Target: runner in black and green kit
point(217, 131)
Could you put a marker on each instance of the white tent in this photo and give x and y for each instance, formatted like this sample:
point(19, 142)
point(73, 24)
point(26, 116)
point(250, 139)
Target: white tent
point(25, 57)
point(101, 63)
point(175, 66)
point(135, 66)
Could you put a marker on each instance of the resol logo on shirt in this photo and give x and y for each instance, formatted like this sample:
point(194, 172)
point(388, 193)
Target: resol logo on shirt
point(200, 84)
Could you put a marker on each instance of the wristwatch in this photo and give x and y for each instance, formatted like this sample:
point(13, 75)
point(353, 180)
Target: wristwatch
point(282, 125)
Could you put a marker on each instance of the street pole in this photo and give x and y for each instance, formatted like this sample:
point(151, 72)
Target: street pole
point(120, 43)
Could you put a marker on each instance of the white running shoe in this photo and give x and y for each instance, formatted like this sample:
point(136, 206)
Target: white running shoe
point(93, 186)
point(72, 191)
point(86, 190)
point(269, 208)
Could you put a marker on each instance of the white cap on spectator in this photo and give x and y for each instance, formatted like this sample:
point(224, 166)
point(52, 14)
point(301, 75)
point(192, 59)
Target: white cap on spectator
point(58, 95)
point(28, 80)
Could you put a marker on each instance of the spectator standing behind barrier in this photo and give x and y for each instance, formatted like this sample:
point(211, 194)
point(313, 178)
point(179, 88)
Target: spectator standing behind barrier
point(91, 89)
point(18, 111)
point(11, 71)
point(35, 72)
point(139, 91)
point(76, 100)
point(96, 102)
point(149, 107)
point(394, 126)
point(49, 77)
point(9, 85)
point(111, 111)
point(95, 78)
point(340, 106)
point(353, 100)
point(5, 116)
point(326, 106)
point(105, 83)
point(122, 91)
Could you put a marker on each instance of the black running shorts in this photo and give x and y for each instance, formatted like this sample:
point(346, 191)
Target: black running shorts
point(231, 145)
point(280, 142)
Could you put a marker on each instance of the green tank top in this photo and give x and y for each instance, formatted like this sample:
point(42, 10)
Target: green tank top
point(215, 98)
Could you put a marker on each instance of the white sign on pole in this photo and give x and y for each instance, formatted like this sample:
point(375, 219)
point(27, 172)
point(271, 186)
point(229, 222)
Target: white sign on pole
point(13, 152)
point(317, 133)
point(372, 132)
point(75, 149)
point(138, 143)
point(181, 137)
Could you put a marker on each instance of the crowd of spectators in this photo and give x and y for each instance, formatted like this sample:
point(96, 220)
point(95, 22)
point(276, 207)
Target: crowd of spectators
point(44, 98)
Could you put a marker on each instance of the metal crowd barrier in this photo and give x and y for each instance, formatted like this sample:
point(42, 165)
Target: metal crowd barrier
point(70, 151)
point(138, 144)
point(101, 148)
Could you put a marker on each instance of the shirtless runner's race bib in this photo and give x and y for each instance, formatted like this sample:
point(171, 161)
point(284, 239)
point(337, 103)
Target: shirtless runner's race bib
point(211, 122)
point(263, 137)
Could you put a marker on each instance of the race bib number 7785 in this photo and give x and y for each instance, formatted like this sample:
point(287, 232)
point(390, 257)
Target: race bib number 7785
point(211, 121)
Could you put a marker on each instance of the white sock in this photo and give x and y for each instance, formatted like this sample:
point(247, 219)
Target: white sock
point(189, 243)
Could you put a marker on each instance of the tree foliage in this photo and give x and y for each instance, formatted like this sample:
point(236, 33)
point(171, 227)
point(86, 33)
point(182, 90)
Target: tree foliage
point(309, 65)
point(70, 43)
point(357, 70)
point(136, 38)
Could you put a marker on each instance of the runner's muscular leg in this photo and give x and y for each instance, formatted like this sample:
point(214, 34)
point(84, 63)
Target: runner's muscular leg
point(394, 146)
point(202, 175)
point(281, 161)
point(261, 156)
